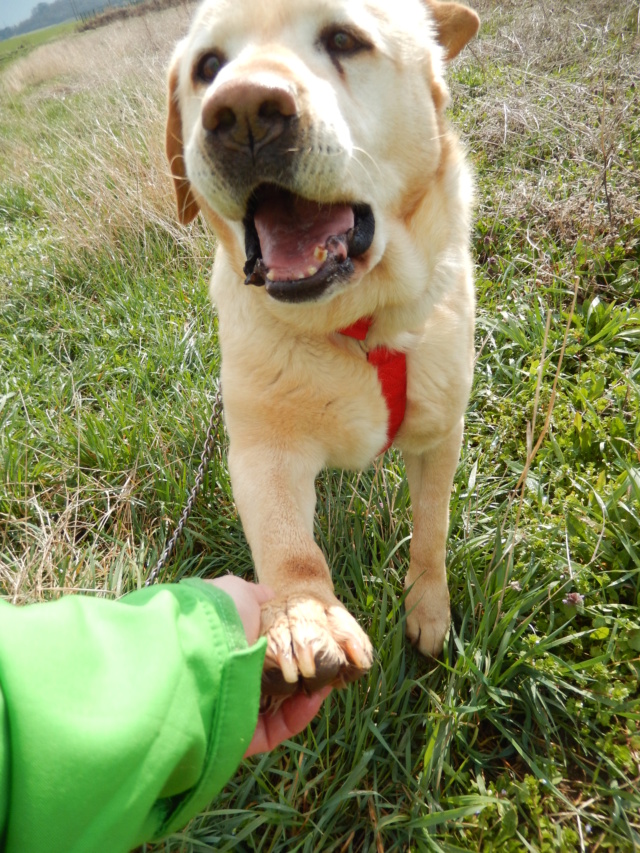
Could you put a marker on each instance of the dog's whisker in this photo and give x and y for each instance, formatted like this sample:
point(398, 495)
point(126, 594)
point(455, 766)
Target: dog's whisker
point(366, 154)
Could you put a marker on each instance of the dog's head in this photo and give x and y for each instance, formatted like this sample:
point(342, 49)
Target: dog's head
point(300, 126)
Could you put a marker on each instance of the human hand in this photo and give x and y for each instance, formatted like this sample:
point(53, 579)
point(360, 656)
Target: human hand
point(293, 715)
point(296, 712)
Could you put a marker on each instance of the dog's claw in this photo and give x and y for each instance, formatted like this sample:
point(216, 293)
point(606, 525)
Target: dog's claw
point(306, 662)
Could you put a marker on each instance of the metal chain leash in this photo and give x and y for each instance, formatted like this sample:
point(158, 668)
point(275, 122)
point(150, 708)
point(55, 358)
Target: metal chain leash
point(205, 458)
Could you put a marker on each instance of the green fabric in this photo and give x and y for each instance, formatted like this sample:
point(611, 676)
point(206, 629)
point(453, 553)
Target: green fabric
point(119, 721)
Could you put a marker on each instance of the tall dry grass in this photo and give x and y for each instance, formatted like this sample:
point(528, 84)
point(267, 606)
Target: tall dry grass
point(556, 87)
point(82, 133)
point(103, 56)
point(100, 171)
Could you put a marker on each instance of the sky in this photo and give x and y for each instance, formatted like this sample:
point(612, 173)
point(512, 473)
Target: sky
point(15, 11)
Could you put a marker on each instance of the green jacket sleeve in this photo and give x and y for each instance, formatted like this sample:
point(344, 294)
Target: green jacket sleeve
point(119, 721)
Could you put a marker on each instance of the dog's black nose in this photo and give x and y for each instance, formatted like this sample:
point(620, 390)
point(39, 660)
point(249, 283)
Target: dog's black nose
point(244, 114)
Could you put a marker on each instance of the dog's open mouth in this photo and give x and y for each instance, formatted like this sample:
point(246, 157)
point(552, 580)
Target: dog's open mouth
point(297, 248)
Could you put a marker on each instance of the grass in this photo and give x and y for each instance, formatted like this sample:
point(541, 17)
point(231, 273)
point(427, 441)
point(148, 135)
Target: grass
point(525, 735)
point(19, 46)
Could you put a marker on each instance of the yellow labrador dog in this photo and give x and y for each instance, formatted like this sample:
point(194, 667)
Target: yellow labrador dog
point(312, 136)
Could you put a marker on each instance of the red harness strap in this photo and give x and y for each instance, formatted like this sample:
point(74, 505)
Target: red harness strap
point(392, 374)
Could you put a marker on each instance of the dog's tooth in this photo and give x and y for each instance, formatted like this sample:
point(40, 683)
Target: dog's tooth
point(320, 254)
point(312, 271)
point(271, 275)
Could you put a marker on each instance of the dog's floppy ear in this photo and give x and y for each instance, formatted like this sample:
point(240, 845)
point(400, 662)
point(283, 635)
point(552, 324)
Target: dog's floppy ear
point(187, 205)
point(455, 24)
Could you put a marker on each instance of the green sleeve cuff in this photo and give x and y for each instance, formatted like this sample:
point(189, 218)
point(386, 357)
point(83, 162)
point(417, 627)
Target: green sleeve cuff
point(236, 706)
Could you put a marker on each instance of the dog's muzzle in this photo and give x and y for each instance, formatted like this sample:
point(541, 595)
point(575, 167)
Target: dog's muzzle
point(298, 248)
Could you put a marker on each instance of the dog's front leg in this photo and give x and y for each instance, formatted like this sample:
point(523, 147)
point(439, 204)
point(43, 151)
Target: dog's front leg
point(430, 477)
point(312, 639)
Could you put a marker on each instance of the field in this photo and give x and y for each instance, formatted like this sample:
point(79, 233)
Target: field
point(19, 46)
point(525, 735)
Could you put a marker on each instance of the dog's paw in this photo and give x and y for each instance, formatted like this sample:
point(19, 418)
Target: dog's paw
point(310, 643)
point(428, 617)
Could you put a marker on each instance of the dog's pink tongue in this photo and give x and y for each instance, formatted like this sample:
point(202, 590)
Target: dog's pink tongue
point(293, 233)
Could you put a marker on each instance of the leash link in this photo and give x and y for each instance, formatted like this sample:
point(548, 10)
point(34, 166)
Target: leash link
point(205, 458)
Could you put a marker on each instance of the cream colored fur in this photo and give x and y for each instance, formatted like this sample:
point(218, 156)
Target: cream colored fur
point(297, 395)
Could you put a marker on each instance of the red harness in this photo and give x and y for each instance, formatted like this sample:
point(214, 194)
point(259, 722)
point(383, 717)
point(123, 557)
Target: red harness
point(392, 374)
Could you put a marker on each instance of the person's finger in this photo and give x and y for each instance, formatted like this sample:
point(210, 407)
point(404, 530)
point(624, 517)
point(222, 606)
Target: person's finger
point(235, 587)
point(248, 599)
point(231, 584)
point(263, 593)
point(291, 718)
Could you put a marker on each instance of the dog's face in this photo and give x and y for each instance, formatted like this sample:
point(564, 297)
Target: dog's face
point(303, 128)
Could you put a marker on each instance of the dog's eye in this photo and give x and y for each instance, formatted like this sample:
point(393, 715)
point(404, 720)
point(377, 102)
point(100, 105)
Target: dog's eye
point(208, 67)
point(343, 42)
